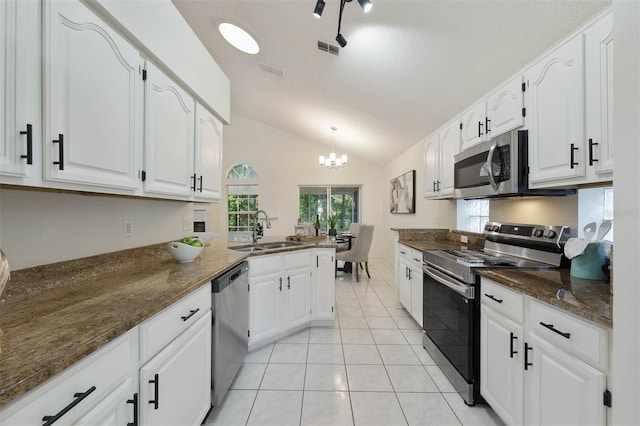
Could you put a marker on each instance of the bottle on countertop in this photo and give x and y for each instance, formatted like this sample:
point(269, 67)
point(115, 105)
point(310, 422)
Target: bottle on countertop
point(317, 224)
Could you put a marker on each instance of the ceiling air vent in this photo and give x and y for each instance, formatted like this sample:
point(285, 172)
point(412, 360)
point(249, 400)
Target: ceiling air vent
point(273, 70)
point(326, 47)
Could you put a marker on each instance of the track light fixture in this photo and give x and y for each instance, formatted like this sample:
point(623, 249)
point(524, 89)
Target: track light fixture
point(317, 12)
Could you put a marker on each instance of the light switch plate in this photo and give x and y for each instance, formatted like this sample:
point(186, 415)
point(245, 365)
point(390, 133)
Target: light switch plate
point(186, 223)
point(127, 228)
point(464, 239)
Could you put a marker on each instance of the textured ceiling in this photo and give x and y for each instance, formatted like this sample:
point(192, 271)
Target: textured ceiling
point(408, 67)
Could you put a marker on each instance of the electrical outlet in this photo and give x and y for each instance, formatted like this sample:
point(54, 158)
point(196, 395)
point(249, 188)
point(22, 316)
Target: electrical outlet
point(186, 223)
point(127, 228)
point(464, 239)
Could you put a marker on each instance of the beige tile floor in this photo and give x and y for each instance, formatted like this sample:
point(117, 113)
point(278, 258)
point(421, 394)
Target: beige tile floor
point(369, 369)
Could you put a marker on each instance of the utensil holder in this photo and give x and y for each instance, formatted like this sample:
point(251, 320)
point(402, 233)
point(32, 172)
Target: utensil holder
point(589, 264)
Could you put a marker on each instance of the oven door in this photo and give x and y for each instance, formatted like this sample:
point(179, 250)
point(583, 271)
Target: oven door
point(487, 169)
point(450, 320)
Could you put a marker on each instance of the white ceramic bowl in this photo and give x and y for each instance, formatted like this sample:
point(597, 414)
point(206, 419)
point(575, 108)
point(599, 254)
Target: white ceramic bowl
point(183, 253)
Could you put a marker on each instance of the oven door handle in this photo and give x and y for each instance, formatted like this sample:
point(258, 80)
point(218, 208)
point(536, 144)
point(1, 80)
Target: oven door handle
point(464, 290)
point(489, 166)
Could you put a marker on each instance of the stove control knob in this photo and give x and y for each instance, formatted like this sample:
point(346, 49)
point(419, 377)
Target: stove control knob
point(495, 228)
point(538, 233)
point(488, 227)
point(549, 233)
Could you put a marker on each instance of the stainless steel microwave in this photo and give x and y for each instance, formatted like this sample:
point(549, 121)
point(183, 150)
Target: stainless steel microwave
point(497, 168)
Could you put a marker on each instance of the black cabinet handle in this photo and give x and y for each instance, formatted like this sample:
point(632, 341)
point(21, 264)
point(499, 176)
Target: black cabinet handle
point(200, 186)
point(573, 150)
point(192, 312)
point(434, 186)
point(289, 283)
point(550, 327)
point(60, 143)
point(511, 351)
point(156, 385)
point(29, 133)
point(402, 252)
point(492, 297)
point(527, 348)
point(49, 420)
point(591, 145)
point(193, 179)
point(134, 401)
point(280, 283)
point(486, 125)
point(480, 128)
point(438, 185)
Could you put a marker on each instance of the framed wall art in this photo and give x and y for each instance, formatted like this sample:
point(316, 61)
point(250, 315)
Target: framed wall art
point(403, 194)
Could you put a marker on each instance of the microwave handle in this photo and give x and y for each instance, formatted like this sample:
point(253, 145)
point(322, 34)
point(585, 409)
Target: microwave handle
point(494, 185)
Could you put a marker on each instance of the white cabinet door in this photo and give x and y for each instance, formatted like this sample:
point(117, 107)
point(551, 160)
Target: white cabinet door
point(404, 283)
point(265, 300)
point(562, 390)
point(599, 97)
point(297, 297)
point(416, 295)
point(93, 108)
point(208, 155)
point(324, 284)
point(175, 386)
point(501, 366)
point(116, 409)
point(474, 123)
point(431, 166)
point(169, 137)
point(504, 108)
point(449, 146)
point(555, 119)
point(20, 124)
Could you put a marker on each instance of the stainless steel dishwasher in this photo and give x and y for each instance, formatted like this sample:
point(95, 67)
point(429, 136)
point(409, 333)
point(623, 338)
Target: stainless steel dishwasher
point(230, 331)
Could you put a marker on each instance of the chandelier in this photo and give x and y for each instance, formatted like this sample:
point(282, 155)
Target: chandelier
point(333, 161)
point(317, 12)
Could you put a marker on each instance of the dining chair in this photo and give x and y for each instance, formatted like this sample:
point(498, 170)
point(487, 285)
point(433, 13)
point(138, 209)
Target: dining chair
point(359, 252)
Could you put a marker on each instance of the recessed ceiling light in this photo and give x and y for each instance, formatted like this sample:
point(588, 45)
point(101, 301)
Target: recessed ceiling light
point(239, 38)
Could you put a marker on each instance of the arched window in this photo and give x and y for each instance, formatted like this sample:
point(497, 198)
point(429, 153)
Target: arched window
point(242, 171)
point(242, 202)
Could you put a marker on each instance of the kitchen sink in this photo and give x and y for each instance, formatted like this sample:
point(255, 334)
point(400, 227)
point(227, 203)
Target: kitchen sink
point(265, 246)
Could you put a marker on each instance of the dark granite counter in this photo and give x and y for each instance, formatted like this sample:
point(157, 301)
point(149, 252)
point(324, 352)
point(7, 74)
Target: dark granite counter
point(54, 315)
point(589, 299)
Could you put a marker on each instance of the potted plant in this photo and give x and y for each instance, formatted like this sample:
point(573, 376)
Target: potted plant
point(332, 225)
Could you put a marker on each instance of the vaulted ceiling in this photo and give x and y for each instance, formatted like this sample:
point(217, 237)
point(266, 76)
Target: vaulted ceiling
point(408, 67)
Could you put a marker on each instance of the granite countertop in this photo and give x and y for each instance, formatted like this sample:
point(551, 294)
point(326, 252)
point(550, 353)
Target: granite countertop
point(54, 315)
point(589, 299)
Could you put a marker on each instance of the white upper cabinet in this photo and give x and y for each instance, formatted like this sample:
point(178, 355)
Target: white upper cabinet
point(599, 98)
point(504, 108)
point(474, 122)
point(555, 108)
point(431, 165)
point(439, 150)
point(93, 106)
point(169, 136)
point(208, 155)
point(20, 123)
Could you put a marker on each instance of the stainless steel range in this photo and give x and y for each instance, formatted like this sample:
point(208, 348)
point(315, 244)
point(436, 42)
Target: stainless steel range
point(451, 308)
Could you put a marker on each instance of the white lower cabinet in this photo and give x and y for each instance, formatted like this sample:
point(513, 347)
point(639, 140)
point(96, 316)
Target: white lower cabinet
point(98, 387)
point(285, 295)
point(540, 365)
point(409, 276)
point(175, 386)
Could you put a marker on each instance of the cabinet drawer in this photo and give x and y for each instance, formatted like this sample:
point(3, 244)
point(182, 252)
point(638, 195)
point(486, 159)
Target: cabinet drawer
point(502, 300)
point(297, 260)
point(158, 331)
point(265, 265)
point(584, 339)
point(416, 260)
point(404, 252)
point(88, 381)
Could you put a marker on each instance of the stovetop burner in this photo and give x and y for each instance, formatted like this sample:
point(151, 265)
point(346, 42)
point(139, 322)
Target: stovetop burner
point(480, 258)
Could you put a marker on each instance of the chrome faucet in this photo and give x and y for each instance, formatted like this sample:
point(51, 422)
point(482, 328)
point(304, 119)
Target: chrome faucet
point(255, 224)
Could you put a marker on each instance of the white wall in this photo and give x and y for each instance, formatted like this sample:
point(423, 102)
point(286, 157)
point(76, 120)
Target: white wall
point(284, 161)
point(38, 228)
point(625, 381)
